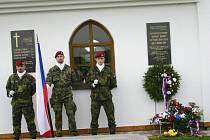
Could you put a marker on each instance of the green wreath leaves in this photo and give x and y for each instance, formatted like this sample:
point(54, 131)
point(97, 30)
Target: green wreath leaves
point(153, 81)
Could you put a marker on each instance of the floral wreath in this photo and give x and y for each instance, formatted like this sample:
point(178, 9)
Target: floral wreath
point(159, 79)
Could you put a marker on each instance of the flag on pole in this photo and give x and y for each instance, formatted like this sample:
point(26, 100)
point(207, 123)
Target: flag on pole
point(43, 112)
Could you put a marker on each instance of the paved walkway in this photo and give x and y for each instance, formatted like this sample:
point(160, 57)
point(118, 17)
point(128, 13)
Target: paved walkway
point(136, 135)
point(103, 137)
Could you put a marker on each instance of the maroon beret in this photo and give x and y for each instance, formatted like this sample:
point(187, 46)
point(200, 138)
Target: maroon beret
point(99, 54)
point(58, 53)
point(19, 62)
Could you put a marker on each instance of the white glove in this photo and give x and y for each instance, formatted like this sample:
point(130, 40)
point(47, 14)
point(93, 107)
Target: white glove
point(11, 93)
point(93, 85)
point(48, 86)
point(95, 81)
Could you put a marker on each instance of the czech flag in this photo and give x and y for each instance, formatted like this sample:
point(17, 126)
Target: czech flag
point(42, 106)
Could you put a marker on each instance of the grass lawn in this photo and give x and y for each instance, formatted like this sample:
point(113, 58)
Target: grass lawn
point(179, 138)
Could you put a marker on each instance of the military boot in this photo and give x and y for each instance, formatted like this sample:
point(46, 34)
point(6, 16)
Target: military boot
point(112, 131)
point(17, 137)
point(74, 133)
point(58, 134)
point(94, 132)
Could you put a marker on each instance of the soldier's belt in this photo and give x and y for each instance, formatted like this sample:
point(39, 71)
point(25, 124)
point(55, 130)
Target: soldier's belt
point(24, 97)
point(103, 86)
point(62, 86)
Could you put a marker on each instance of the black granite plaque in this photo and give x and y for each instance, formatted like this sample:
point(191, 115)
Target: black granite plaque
point(23, 48)
point(159, 46)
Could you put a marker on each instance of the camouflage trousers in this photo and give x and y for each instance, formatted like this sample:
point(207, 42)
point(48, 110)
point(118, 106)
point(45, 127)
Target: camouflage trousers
point(70, 112)
point(95, 111)
point(28, 112)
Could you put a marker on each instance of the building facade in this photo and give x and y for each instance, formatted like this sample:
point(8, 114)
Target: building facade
point(124, 22)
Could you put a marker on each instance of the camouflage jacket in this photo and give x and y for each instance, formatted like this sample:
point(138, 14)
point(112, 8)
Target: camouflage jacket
point(106, 82)
point(24, 88)
point(62, 81)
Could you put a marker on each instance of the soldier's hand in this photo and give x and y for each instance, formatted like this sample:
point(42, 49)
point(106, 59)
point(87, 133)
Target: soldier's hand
point(11, 93)
point(93, 85)
point(95, 81)
point(48, 86)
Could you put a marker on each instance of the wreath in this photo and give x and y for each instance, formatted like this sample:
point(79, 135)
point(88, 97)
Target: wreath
point(153, 82)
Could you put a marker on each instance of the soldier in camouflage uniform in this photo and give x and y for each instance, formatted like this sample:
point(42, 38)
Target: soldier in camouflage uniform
point(62, 76)
point(21, 87)
point(102, 80)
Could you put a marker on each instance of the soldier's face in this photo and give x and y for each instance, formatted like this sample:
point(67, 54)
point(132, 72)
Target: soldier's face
point(20, 68)
point(100, 60)
point(60, 59)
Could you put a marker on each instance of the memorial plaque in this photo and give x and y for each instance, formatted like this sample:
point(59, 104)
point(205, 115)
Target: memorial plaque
point(23, 48)
point(158, 41)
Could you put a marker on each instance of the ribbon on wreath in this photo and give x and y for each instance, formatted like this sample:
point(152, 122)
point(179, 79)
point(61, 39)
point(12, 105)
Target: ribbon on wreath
point(164, 91)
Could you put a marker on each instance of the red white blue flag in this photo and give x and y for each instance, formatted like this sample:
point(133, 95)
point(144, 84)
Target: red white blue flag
point(42, 106)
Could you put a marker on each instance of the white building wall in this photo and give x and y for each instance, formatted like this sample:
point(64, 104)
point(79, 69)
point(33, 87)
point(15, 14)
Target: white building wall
point(128, 28)
point(204, 28)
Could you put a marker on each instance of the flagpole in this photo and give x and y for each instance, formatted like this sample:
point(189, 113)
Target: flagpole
point(51, 126)
point(48, 108)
